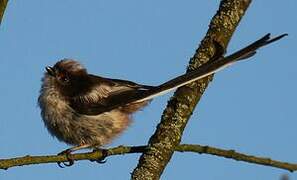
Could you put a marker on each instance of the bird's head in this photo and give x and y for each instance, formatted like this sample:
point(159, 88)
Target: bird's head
point(66, 71)
point(68, 76)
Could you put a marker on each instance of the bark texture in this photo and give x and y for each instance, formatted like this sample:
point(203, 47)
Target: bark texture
point(3, 4)
point(180, 107)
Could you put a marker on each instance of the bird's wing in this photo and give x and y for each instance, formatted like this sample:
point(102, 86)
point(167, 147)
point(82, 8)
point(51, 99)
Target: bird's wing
point(105, 95)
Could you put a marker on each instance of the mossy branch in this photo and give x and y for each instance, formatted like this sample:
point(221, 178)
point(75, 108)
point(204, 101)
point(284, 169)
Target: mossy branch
point(120, 150)
point(3, 4)
point(175, 117)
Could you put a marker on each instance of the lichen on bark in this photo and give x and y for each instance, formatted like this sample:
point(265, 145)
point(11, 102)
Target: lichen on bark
point(180, 107)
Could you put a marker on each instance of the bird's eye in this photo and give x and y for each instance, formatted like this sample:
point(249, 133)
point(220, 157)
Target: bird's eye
point(64, 78)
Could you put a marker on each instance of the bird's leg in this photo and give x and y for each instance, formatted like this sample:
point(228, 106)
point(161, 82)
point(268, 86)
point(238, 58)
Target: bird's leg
point(67, 152)
point(104, 155)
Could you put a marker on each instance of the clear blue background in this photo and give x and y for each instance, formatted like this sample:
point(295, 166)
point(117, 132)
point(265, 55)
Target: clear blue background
point(249, 107)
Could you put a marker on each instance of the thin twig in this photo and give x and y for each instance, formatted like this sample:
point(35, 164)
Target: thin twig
point(231, 154)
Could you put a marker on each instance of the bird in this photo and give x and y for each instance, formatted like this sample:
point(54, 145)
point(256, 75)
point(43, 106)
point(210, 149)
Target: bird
point(89, 111)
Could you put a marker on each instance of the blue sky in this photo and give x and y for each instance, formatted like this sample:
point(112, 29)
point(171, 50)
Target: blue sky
point(249, 107)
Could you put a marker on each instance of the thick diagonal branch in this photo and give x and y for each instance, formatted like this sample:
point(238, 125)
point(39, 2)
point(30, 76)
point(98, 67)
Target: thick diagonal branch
point(179, 109)
point(3, 4)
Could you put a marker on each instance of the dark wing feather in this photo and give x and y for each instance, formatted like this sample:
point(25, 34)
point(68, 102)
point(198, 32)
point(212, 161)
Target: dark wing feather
point(106, 94)
point(131, 84)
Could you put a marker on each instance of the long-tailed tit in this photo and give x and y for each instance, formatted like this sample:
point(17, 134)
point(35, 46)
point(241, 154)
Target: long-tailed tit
point(88, 111)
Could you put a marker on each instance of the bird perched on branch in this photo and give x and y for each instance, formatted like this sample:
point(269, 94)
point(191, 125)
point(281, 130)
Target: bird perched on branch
point(89, 111)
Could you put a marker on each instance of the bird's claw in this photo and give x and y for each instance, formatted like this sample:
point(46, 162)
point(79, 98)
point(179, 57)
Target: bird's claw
point(101, 160)
point(70, 161)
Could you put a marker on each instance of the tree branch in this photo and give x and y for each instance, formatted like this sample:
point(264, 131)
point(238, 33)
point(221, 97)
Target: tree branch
point(179, 109)
point(120, 150)
point(3, 4)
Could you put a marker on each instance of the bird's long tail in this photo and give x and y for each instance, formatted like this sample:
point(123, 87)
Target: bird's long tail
point(218, 62)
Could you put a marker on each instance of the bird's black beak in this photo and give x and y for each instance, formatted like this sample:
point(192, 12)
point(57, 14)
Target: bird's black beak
point(50, 71)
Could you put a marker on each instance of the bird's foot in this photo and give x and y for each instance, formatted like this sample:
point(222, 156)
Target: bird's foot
point(70, 161)
point(102, 159)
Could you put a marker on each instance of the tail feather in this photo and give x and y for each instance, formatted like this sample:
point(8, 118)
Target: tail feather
point(216, 63)
point(208, 68)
